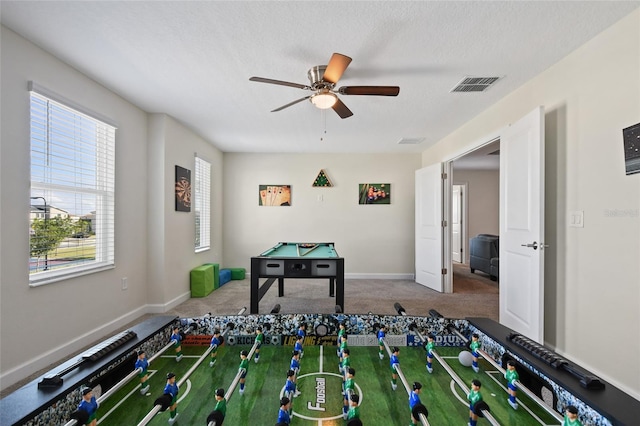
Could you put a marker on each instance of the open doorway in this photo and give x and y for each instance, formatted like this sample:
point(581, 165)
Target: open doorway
point(475, 219)
point(520, 217)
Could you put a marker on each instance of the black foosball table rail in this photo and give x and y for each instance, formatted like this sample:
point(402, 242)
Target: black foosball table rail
point(564, 376)
point(549, 357)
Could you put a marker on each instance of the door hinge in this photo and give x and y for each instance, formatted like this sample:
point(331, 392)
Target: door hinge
point(444, 176)
point(444, 223)
point(444, 271)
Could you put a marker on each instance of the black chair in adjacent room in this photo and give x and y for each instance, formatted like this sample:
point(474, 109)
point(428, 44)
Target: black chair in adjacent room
point(484, 255)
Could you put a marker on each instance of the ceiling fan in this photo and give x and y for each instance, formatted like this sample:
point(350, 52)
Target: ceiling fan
point(323, 80)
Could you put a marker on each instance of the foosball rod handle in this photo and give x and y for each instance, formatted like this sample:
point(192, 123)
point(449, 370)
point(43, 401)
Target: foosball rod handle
point(399, 309)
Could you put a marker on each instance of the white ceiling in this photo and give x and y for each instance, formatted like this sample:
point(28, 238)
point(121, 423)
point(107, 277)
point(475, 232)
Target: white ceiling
point(193, 60)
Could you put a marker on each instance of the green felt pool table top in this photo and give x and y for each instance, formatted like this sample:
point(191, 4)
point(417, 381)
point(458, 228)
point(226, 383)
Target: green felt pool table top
point(302, 250)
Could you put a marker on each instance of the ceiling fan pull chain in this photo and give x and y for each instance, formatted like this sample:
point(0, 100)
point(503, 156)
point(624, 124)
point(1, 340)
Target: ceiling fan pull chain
point(324, 124)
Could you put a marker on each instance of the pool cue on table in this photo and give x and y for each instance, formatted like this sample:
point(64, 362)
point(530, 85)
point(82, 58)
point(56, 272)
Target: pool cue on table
point(298, 248)
point(311, 249)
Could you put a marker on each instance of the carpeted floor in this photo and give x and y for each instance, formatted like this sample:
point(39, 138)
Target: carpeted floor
point(466, 282)
point(474, 295)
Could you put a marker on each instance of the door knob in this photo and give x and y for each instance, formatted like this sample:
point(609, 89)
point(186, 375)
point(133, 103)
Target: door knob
point(534, 245)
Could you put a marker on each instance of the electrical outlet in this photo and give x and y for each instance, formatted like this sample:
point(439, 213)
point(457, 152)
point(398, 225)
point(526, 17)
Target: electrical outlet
point(125, 283)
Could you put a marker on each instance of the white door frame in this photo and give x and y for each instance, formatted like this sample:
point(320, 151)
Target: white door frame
point(447, 213)
point(464, 186)
point(535, 319)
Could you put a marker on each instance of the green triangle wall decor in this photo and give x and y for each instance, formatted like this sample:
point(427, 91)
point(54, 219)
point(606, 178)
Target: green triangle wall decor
point(322, 180)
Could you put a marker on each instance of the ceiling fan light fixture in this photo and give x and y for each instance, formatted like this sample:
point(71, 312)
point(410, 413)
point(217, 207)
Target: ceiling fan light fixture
point(324, 100)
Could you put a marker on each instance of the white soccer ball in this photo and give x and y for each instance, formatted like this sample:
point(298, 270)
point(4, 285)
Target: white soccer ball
point(465, 358)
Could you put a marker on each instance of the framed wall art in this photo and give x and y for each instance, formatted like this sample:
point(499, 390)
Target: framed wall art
point(631, 136)
point(183, 189)
point(374, 193)
point(274, 195)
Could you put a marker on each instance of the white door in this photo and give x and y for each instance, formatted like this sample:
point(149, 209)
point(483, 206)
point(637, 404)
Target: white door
point(522, 226)
point(429, 227)
point(456, 223)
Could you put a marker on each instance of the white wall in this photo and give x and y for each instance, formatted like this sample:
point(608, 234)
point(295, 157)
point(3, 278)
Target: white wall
point(592, 274)
point(483, 202)
point(44, 324)
point(41, 323)
point(171, 242)
point(375, 240)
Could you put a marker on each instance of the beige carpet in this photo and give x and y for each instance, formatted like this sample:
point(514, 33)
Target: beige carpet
point(474, 295)
point(466, 282)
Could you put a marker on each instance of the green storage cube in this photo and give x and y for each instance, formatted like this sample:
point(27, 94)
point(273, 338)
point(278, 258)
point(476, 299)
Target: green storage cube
point(237, 273)
point(216, 274)
point(202, 281)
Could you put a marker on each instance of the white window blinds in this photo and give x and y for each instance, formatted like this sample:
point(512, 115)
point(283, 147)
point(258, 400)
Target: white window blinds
point(72, 191)
point(202, 205)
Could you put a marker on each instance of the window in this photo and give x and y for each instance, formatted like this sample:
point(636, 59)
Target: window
point(72, 190)
point(203, 204)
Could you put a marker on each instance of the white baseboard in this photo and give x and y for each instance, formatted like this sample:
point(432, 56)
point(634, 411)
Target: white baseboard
point(357, 276)
point(361, 276)
point(165, 307)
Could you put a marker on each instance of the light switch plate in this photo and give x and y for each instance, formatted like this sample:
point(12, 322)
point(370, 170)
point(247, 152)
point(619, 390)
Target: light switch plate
point(576, 219)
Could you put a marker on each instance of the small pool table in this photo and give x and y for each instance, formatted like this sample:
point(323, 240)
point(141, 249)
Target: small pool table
point(297, 260)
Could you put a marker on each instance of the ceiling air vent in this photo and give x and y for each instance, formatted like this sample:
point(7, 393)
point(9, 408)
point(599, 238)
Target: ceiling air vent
point(410, 141)
point(474, 84)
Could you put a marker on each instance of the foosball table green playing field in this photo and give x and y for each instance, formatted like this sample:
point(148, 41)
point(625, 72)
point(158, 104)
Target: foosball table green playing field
point(320, 383)
point(546, 383)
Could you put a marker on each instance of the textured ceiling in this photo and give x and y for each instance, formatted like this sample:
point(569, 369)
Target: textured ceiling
point(193, 60)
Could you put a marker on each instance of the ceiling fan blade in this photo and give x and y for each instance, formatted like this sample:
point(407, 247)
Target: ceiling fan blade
point(291, 103)
point(337, 64)
point(370, 90)
point(279, 82)
point(341, 109)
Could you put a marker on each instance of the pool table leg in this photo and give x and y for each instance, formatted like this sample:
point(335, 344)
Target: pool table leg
point(340, 284)
point(280, 286)
point(255, 284)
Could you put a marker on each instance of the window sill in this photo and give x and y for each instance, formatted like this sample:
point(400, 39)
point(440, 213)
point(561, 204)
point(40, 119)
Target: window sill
point(62, 275)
